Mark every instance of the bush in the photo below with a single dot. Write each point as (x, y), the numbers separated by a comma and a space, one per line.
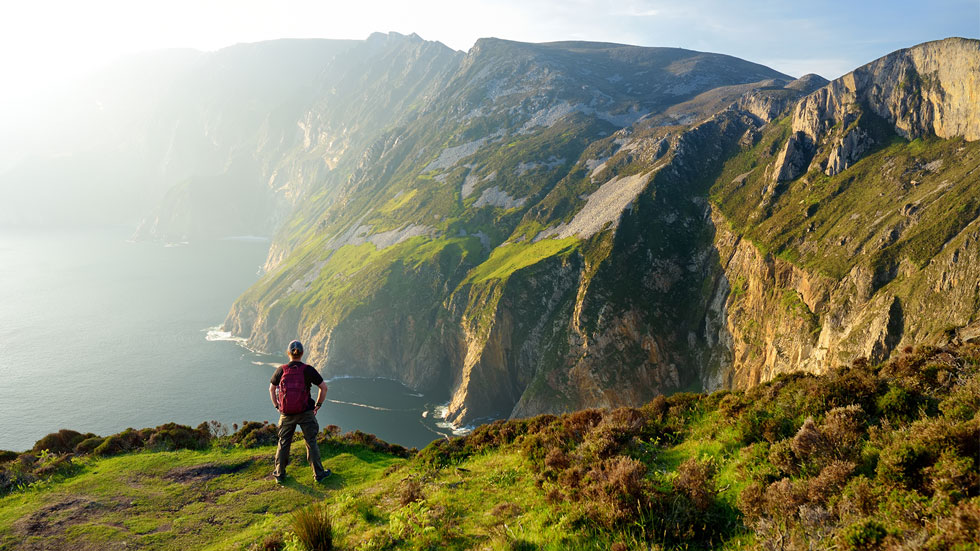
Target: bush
(63, 441)
(172, 436)
(254, 434)
(615, 489)
(898, 404)
(863, 535)
(410, 491)
(125, 441)
(89, 445)
(312, 526)
(7, 456)
(695, 480)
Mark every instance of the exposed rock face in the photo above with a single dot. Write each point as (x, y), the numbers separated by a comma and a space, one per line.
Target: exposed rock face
(931, 89)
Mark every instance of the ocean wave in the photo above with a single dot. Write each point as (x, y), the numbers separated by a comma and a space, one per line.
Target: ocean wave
(216, 334)
(441, 412)
(368, 406)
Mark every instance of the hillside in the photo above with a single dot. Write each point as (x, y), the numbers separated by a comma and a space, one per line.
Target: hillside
(560, 230)
(863, 457)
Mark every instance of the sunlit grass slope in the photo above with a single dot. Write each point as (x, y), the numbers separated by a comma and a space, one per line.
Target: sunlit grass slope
(863, 457)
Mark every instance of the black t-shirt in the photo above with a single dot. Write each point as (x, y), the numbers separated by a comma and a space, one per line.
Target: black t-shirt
(311, 375)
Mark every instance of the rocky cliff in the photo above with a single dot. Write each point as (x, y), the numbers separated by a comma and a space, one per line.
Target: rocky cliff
(843, 238)
(575, 225)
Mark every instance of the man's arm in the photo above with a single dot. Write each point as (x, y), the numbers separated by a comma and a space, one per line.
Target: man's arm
(272, 394)
(321, 396)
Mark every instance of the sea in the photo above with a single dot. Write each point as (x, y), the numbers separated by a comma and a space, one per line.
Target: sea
(99, 333)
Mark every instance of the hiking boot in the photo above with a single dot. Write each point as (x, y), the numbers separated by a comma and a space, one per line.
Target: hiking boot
(326, 475)
(280, 480)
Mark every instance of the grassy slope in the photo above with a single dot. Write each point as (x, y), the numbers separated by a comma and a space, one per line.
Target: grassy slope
(832, 223)
(861, 458)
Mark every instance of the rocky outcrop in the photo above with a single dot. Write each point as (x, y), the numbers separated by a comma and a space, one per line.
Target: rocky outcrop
(929, 89)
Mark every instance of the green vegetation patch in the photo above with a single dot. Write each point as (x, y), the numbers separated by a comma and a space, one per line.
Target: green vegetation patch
(507, 259)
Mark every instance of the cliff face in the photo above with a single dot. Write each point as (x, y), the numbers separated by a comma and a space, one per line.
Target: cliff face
(575, 225)
(844, 240)
(931, 89)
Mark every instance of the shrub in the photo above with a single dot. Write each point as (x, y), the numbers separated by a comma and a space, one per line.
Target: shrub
(410, 491)
(7, 456)
(695, 480)
(842, 429)
(125, 441)
(63, 441)
(898, 403)
(312, 526)
(556, 459)
(253, 434)
(863, 535)
(953, 475)
(783, 498)
(88, 445)
(808, 441)
(751, 501)
(830, 481)
(272, 542)
(615, 487)
(960, 530)
(172, 436)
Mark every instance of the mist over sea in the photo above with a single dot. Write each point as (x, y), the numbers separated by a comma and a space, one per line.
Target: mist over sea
(98, 334)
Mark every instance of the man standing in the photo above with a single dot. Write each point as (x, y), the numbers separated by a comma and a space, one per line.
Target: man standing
(290, 393)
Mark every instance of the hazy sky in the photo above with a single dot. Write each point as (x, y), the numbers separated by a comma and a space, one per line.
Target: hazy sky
(42, 40)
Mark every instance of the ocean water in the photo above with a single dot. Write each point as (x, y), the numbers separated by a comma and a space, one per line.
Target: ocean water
(98, 334)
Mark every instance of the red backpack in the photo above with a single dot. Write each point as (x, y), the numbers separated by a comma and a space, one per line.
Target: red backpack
(294, 393)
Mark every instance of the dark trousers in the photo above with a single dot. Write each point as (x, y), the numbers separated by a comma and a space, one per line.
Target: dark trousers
(287, 426)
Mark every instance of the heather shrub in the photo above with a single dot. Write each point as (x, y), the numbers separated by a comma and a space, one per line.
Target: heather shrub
(783, 498)
(371, 442)
(898, 404)
(695, 480)
(963, 403)
(125, 441)
(953, 475)
(410, 491)
(7, 456)
(63, 441)
(857, 499)
(959, 530)
(614, 489)
(172, 436)
(831, 480)
(842, 430)
(253, 434)
(782, 456)
(88, 445)
(862, 535)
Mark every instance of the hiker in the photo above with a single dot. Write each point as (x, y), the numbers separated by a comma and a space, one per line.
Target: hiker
(290, 393)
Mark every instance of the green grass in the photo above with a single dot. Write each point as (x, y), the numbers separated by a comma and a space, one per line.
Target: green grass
(885, 208)
(152, 500)
(507, 259)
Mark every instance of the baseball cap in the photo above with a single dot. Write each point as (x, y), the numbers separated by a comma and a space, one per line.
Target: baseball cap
(295, 347)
